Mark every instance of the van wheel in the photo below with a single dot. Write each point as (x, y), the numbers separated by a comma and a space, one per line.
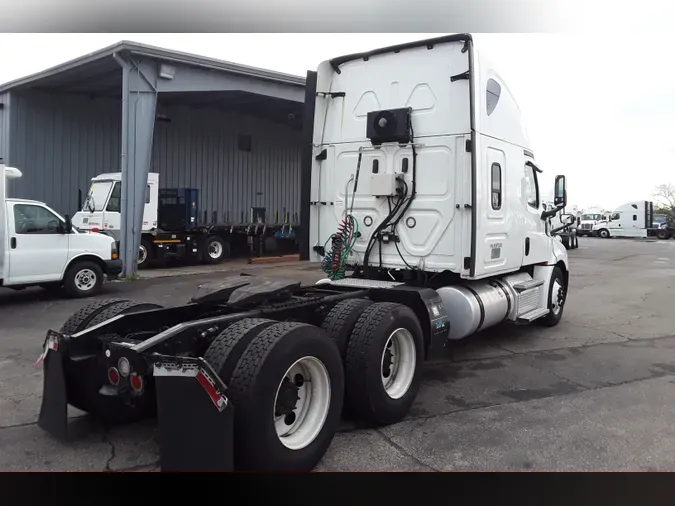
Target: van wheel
(83, 279)
(384, 357)
(604, 233)
(557, 295)
(215, 250)
(144, 254)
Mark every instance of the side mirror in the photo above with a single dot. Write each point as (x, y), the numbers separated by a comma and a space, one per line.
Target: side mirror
(560, 193)
(567, 219)
(69, 224)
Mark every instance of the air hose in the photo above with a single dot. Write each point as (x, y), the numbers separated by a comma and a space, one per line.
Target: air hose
(343, 241)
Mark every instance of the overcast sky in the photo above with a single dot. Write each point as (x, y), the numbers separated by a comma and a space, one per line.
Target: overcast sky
(597, 108)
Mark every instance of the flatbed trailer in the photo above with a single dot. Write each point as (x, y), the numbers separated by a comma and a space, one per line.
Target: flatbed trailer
(213, 243)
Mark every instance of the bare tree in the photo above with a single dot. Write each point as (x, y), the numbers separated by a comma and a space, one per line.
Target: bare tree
(664, 194)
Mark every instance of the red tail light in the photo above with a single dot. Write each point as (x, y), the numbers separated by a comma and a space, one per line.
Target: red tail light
(136, 382)
(114, 376)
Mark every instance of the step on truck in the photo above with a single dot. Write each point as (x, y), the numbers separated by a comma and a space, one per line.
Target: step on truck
(427, 221)
(175, 227)
(39, 247)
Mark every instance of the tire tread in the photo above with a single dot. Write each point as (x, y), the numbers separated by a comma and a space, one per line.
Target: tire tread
(79, 320)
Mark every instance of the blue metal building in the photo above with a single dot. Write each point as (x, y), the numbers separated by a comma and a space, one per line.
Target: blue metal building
(232, 131)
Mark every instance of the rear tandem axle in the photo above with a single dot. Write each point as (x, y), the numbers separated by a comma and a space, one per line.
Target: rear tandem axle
(252, 374)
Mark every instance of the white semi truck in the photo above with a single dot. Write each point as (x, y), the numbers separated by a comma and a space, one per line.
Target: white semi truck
(589, 217)
(427, 217)
(632, 219)
(40, 247)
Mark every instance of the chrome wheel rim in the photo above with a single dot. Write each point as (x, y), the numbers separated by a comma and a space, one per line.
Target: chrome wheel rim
(398, 363)
(215, 249)
(142, 254)
(302, 402)
(85, 280)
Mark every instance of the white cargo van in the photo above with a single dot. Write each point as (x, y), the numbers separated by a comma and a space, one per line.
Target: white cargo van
(40, 247)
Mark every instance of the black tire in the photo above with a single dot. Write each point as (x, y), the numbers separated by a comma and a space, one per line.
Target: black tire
(86, 269)
(224, 352)
(144, 261)
(125, 307)
(79, 320)
(603, 233)
(365, 395)
(552, 319)
(566, 242)
(340, 321)
(253, 389)
(85, 378)
(211, 241)
(662, 234)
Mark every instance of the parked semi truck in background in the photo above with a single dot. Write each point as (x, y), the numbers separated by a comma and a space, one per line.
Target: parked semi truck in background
(40, 247)
(174, 225)
(409, 149)
(589, 217)
(632, 219)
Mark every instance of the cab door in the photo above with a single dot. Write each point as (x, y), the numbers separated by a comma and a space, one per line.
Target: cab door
(38, 244)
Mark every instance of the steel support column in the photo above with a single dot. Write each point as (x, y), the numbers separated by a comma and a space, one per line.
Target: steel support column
(306, 165)
(139, 103)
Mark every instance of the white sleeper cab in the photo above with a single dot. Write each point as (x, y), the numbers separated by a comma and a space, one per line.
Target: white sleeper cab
(423, 167)
(633, 219)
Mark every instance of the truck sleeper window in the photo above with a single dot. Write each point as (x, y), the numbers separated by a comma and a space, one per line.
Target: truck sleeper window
(496, 186)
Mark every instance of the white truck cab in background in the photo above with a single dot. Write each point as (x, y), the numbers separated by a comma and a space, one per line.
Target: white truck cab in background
(40, 247)
(589, 217)
(632, 219)
(101, 210)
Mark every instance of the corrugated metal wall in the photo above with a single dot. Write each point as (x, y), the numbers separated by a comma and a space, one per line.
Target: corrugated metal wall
(61, 142)
(199, 149)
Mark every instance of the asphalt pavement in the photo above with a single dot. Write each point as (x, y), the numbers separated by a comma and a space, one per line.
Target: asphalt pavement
(593, 393)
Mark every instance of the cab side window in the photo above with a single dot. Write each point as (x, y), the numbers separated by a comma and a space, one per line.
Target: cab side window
(615, 216)
(114, 204)
(531, 187)
(31, 219)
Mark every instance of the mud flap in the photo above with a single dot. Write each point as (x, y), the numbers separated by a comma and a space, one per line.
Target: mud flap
(54, 410)
(195, 419)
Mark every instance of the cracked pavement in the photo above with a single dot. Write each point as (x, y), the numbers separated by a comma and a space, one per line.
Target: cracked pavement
(595, 392)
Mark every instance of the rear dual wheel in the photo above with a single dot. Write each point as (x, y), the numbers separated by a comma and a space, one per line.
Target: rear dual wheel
(286, 382)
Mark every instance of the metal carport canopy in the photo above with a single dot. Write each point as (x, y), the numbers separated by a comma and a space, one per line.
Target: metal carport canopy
(139, 74)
